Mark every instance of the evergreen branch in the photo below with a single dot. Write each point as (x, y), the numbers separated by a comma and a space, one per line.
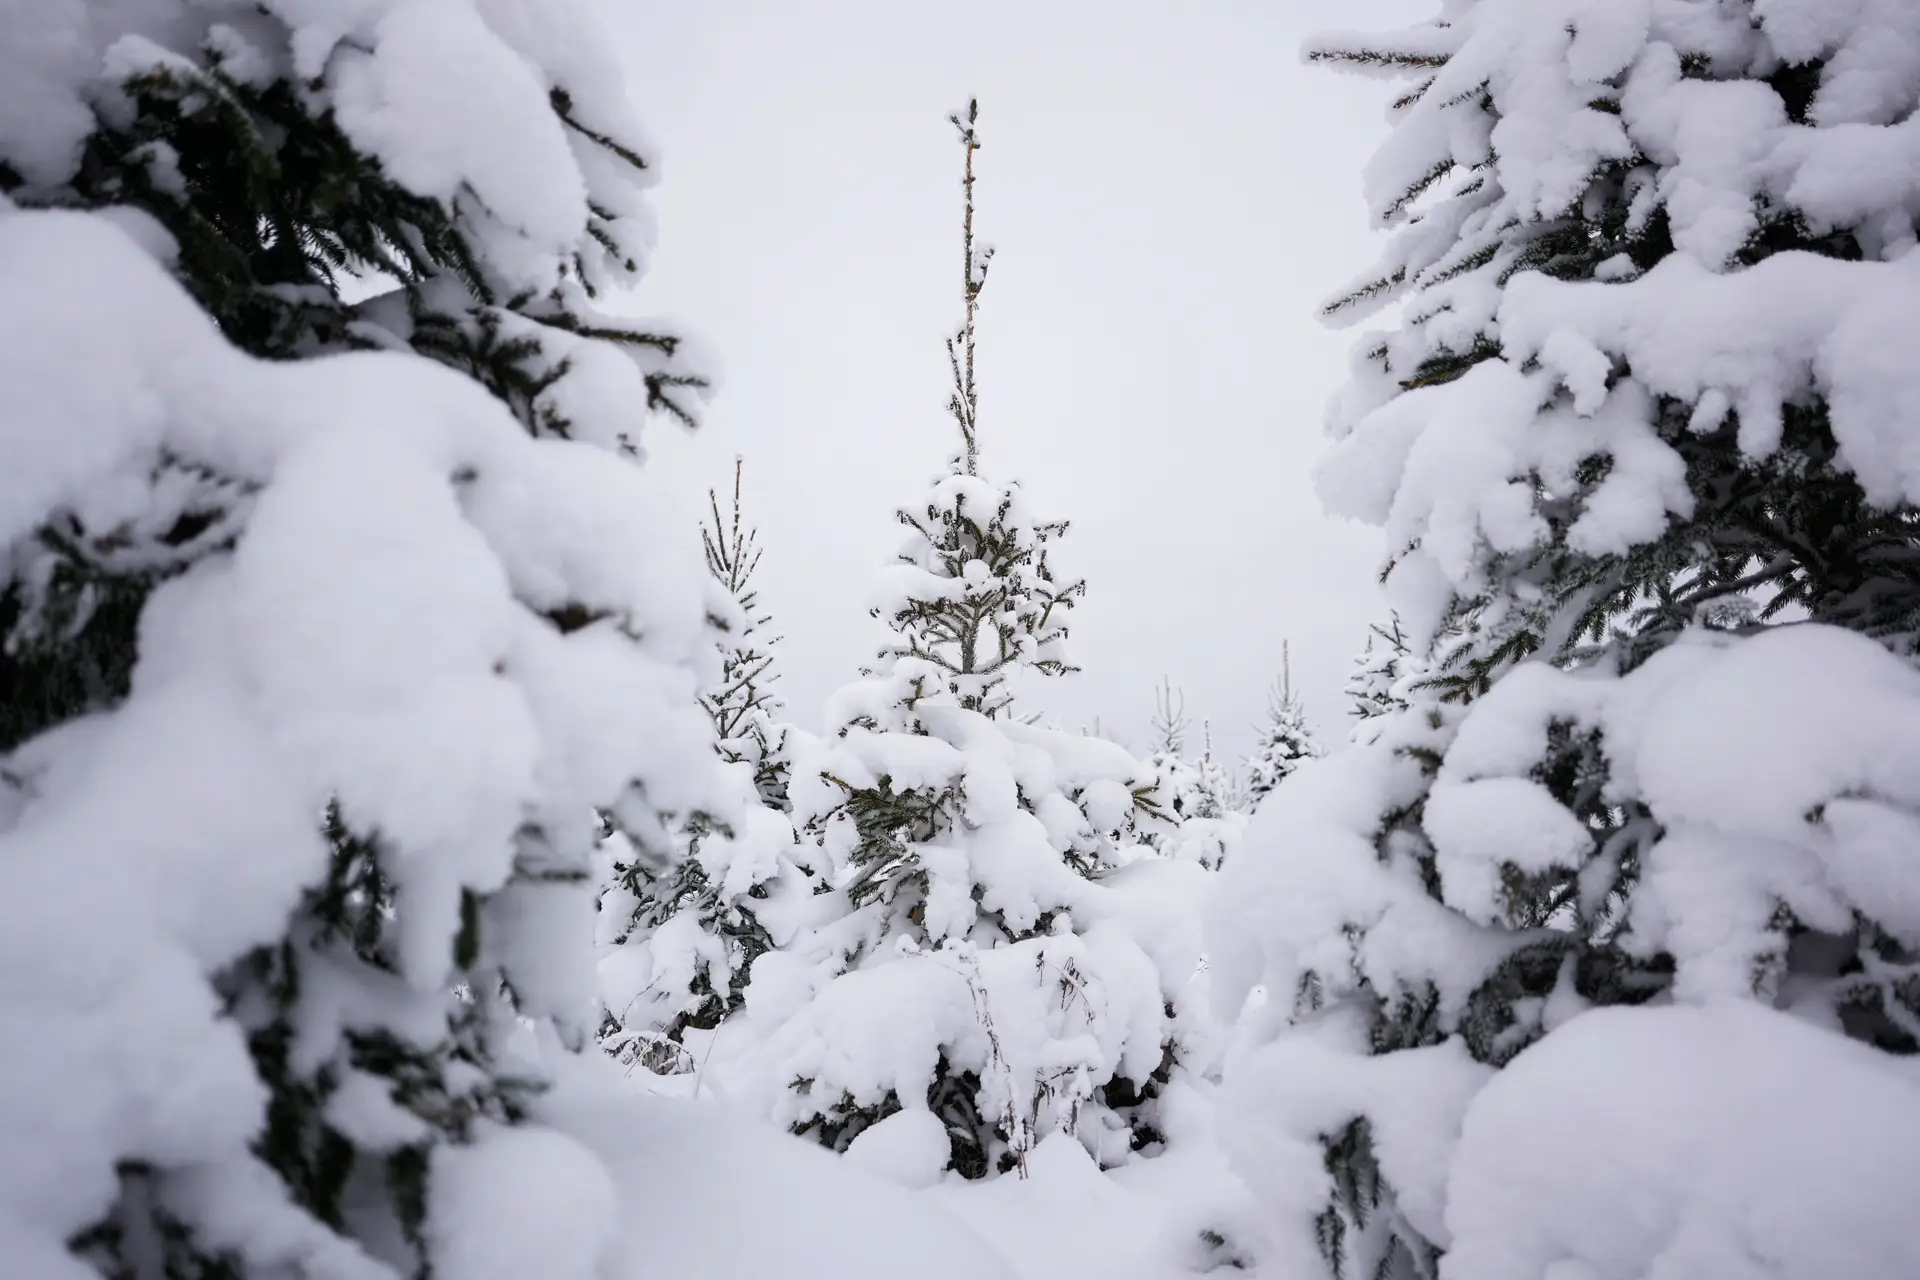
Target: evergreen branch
(562, 103)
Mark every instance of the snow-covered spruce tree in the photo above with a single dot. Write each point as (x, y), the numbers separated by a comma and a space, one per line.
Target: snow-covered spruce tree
(744, 704)
(1219, 790)
(1374, 686)
(976, 989)
(1285, 740)
(308, 659)
(1643, 447)
(1176, 781)
(1198, 814)
(682, 939)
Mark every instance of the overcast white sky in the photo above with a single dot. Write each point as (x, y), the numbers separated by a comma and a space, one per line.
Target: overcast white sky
(1169, 191)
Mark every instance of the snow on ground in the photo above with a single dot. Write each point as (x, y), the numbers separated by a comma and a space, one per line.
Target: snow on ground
(1067, 1220)
(739, 1198)
(1141, 1221)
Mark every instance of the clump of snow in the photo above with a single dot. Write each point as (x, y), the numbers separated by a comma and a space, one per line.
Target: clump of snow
(1794, 324)
(1726, 1140)
(909, 1147)
(1308, 911)
(1291, 1095)
(1801, 812)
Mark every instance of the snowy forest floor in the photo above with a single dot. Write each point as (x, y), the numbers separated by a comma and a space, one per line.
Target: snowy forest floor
(1070, 1221)
(1067, 1219)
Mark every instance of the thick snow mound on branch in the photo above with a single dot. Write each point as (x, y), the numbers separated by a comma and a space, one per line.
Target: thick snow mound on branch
(454, 100)
(1811, 808)
(1727, 1141)
(1063, 1015)
(1307, 909)
(909, 1147)
(1522, 103)
(1795, 324)
(1287, 1097)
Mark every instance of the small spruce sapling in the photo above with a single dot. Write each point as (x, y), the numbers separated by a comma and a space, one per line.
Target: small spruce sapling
(1285, 740)
(1375, 685)
(1197, 818)
(701, 921)
(744, 705)
(1176, 780)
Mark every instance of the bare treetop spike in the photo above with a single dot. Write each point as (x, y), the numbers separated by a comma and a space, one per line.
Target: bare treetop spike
(965, 403)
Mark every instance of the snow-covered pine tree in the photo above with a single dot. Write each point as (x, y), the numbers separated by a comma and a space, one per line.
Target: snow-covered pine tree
(683, 939)
(744, 705)
(1374, 685)
(1643, 448)
(969, 929)
(1198, 812)
(1219, 789)
(1175, 779)
(1169, 724)
(1285, 739)
(307, 657)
